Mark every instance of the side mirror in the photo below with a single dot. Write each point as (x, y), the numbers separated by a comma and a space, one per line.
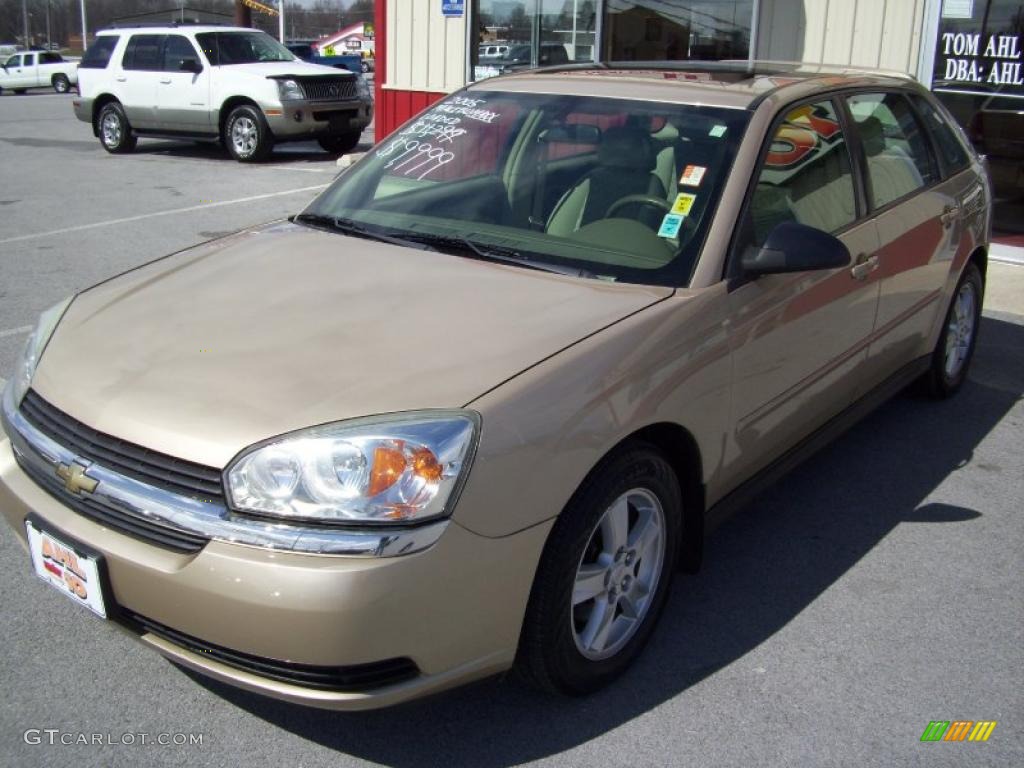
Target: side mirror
(793, 247)
(190, 65)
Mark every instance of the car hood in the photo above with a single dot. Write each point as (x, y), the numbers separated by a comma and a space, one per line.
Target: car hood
(205, 352)
(285, 69)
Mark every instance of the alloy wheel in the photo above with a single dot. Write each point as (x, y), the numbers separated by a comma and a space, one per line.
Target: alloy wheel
(618, 574)
(244, 136)
(960, 332)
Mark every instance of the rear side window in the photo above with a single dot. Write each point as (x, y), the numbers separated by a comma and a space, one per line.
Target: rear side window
(50, 58)
(143, 53)
(99, 53)
(899, 157)
(807, 175)
(951, 149)
(177, 50)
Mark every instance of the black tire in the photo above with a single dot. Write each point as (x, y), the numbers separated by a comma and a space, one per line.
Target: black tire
(20, 90)
(341, 143)
(550, 656)
(943, 380)
(114, 130)
(61, 84)
(247, 135)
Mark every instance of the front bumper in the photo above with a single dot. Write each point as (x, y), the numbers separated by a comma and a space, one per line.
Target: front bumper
(305, 119)
(454, 610)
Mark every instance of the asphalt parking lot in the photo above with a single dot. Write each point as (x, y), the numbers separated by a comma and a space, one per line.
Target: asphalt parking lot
(877, 588)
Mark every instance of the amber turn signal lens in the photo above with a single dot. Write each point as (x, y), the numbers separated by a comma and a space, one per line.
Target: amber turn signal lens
(388, 466)
(426, 465)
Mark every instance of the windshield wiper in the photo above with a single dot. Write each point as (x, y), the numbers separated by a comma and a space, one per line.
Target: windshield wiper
(494, 253)
(350, 227)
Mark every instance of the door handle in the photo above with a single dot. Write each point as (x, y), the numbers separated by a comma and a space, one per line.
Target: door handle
(949, 214)
(863, 266)
(166, 82)
(121, 79)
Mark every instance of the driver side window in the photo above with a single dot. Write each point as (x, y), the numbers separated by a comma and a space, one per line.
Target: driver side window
(806, 177)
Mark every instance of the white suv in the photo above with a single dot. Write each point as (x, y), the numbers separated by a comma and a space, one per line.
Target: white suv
(210, 83)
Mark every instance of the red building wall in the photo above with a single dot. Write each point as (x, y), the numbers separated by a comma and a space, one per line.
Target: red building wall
(392, 107)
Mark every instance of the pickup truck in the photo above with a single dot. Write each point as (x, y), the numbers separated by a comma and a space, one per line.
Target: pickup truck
(353, 62)
(38, 69)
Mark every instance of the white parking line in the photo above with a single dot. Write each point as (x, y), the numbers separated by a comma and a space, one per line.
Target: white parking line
(16, 331)
(141, 217)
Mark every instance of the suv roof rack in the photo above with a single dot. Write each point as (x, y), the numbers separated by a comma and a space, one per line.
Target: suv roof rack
(148, 24)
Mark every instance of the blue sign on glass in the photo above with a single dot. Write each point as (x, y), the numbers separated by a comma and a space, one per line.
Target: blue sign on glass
(453, 7)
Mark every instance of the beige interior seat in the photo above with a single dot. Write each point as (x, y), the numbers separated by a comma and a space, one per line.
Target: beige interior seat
(625, 161)
(892, 170)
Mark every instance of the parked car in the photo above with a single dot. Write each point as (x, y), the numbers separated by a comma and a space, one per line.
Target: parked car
(7, 50)
(476, 405)
(208, 83)
(38, 70)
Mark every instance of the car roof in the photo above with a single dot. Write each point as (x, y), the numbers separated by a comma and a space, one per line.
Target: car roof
(730, 84)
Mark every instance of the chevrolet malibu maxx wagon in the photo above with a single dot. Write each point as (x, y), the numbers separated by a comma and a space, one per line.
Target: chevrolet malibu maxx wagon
(475, 406)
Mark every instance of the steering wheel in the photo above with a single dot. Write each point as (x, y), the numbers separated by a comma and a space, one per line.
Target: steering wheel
(652, 200)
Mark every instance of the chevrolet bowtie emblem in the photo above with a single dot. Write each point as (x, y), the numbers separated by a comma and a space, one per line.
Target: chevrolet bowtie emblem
(75, 479)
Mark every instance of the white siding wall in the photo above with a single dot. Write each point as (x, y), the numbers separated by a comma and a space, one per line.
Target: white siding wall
(864, 33)
(426, 51)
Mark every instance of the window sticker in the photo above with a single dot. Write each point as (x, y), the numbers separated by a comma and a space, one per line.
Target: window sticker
(693, 175)
(718, 131)
(671, 225)
(684, 202)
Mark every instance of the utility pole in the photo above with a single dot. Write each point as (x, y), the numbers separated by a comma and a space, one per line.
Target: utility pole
(48, 42)
(24, 16)
(84, 44)
(280, 21)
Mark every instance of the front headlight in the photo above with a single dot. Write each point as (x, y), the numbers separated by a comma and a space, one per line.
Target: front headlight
(25, 368)
(290, 90)
(397, 469)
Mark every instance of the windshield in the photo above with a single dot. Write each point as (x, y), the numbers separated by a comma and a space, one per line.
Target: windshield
(614, 189)
(242, 48)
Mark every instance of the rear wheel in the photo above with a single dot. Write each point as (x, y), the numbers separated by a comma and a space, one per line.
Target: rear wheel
(955, 348)
(20, 90)
(340, 143)
(61, 84)
(604, 576)
(114, 130)
(247, 135)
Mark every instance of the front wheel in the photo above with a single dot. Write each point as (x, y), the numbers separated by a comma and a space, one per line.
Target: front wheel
(604, 576)
(114, 130)
(61, 84)
(340, 143)
(955, 348)
(247, 135)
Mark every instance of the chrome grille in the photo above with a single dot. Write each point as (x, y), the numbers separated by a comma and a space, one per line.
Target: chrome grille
(184, 478)
(328, 88)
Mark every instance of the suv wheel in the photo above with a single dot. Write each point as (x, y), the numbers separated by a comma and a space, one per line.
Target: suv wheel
(604, 576)
(955, 348)
(247, 135)
(114, 129)
(61, 84)
(340, 143)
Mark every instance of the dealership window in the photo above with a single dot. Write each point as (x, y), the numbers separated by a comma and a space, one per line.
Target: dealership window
(513, 35)
(978, 76)
(655, 30)
(520, 34)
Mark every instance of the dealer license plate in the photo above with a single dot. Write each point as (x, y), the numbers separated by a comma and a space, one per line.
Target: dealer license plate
(66, 568)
